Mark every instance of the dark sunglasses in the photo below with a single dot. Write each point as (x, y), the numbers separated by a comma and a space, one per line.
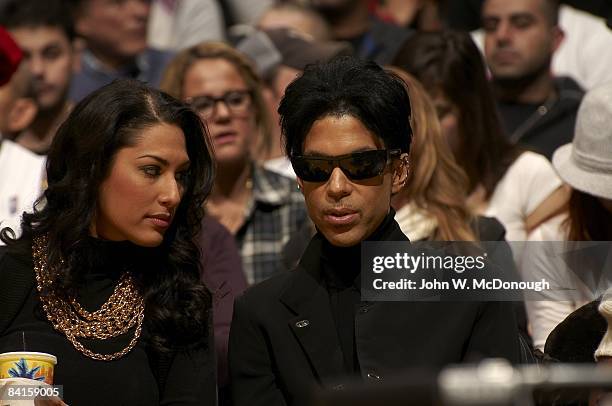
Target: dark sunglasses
(356, 166)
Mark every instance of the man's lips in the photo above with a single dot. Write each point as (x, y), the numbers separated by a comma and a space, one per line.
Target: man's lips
(504, 57)
(43, 88)
(340, 217)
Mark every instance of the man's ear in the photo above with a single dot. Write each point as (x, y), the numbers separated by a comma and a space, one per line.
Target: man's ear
(558, 36)
(78, 45)
(400, 174)
(21, 115)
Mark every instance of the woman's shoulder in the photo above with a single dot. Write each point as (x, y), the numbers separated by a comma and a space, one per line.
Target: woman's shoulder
(16, 281)
(16, 268)
(531, 178)
(15, 257)
(530, 163)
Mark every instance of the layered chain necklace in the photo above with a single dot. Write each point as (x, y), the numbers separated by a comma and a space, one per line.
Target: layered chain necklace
(123, 310)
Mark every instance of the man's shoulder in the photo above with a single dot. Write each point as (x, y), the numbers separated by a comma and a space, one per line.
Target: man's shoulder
(569, 90)
(20, 168)
(270, 290)
(20, 155)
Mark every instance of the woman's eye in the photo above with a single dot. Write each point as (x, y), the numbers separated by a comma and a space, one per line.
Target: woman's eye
(151, 170)
(235, 99)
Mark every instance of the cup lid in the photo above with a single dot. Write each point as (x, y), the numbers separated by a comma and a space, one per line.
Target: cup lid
(29, 354)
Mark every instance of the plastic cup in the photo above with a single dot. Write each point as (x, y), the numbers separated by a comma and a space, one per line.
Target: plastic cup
(31, 365)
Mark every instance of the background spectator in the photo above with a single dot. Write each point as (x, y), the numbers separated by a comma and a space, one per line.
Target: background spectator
(262, 209)
(350, 20)
(585, 165)
(504, 182)
(115, 34)
(45, 33)
(21, 171)
(537, 109)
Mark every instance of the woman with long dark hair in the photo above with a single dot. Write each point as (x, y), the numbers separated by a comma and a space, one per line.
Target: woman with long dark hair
(503, 181)
(106, 273)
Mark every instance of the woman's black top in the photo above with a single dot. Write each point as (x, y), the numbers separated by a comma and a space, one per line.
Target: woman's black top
(130, 380)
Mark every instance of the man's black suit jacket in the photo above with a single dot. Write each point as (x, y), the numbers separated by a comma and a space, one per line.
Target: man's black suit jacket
(283, 339)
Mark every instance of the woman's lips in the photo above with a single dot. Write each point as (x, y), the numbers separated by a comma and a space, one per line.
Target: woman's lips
(225, 138)
(159, 222)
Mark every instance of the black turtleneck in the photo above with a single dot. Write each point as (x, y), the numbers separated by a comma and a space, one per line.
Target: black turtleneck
(341, 270)
(128, 380)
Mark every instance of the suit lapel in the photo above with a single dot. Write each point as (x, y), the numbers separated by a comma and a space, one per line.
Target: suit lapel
(313, 325)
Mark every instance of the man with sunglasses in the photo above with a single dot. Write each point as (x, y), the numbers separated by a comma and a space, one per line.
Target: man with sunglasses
(347, 133)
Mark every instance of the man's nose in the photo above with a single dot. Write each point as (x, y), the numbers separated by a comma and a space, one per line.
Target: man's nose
(338, 185)
(37, 66)
(503, 33)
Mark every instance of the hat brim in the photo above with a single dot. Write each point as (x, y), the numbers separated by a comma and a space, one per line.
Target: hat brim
(594, 183)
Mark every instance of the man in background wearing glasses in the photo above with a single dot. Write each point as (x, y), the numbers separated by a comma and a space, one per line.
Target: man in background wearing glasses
(347, 133)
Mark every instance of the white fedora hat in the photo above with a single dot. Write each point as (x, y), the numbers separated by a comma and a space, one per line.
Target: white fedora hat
(586, 163)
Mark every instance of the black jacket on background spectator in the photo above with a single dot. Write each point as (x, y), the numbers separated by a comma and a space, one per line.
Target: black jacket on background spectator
(544, 127)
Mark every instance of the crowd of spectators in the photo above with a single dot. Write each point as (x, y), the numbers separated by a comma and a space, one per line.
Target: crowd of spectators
(501, 102)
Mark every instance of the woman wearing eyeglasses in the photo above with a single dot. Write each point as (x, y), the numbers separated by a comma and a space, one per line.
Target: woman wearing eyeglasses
(261, 208)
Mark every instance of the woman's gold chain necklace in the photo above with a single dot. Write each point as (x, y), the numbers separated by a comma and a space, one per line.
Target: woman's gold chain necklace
(123, 310)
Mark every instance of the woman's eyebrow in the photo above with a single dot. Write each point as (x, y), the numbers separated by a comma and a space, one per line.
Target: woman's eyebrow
(155, 157)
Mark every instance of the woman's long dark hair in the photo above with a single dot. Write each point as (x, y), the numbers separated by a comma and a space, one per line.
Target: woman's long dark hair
(451, 63)
(81, 156)
(588, 219)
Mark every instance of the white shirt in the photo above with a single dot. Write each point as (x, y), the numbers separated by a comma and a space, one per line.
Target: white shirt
(179, 24)
(546, 261)
(21, 182)
(525, 185)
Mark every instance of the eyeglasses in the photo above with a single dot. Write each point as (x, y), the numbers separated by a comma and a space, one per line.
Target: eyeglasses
(238, 102)
(356, 166)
